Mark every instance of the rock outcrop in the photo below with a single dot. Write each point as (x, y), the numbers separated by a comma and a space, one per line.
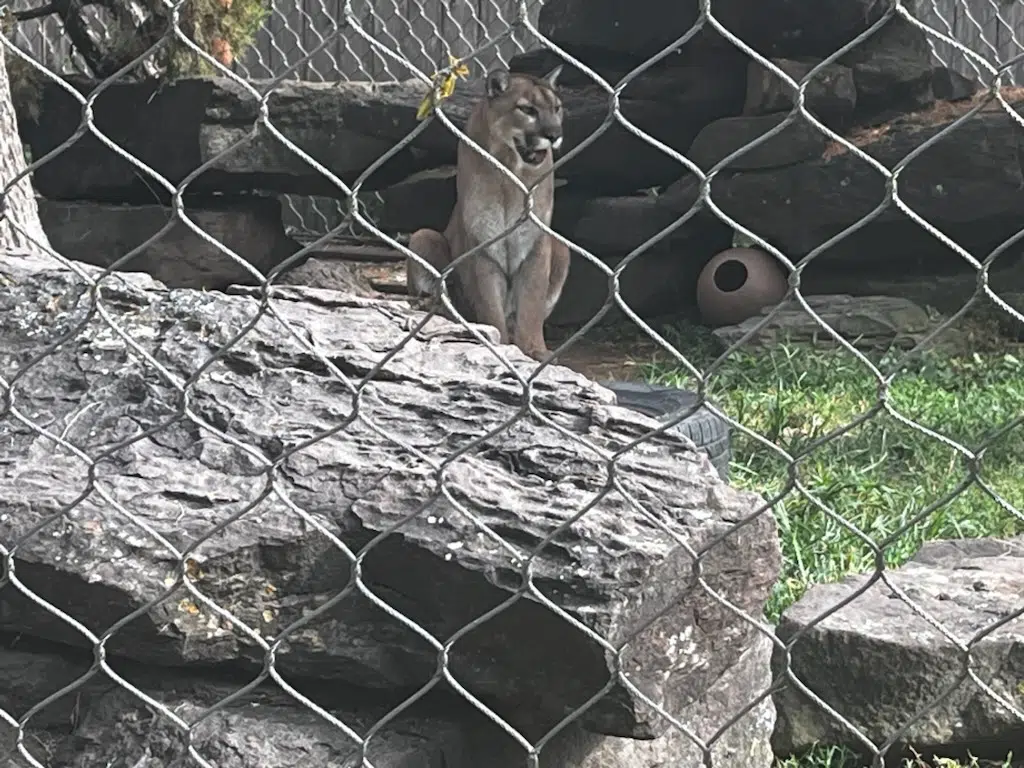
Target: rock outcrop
(223, 447)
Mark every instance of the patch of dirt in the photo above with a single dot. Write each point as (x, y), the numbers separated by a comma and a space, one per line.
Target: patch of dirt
(617, 351)
(603, 360)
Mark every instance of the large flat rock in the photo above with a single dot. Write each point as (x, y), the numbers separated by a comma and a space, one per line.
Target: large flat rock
(723, 718)
(881, 665)
(112, 727)
(106, 540)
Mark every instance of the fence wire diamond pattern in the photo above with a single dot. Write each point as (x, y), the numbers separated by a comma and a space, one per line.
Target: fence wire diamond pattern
(395, 52)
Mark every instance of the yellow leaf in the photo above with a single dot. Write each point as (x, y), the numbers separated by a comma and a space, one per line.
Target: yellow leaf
(426, 106)
(188, 606)
(442, 87)
(448, 85)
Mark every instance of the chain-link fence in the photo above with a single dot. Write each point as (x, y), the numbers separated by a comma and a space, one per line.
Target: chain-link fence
(292, 41)
(290, 526)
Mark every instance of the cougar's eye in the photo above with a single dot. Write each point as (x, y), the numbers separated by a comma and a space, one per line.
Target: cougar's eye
(527, 109)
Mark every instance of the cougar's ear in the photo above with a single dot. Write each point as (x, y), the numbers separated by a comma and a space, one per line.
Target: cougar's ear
(551, 78)
(497, 82)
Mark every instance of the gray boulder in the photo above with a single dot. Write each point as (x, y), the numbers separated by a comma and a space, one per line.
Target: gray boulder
(798, 142)
(880, 665)
(271, 731)
(726, 705)
(270, 429)
(831, 95)
(892, 71)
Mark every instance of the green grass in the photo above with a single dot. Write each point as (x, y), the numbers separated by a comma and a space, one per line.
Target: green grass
(837, 757)
(880, 476)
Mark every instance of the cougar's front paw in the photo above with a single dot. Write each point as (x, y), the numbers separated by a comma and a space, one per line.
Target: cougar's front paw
(540, 354)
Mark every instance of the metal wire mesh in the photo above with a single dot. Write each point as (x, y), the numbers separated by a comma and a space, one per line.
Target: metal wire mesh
(392, 54)
(293, 38)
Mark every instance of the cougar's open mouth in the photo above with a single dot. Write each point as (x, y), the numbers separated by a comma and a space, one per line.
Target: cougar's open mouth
(531, 156)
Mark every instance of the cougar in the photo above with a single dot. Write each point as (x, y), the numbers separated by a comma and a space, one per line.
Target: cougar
(514, 283)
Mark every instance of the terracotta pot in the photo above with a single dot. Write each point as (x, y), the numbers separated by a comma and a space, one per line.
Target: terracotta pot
(737, 284)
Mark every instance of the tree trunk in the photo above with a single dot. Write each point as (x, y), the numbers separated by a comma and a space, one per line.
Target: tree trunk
(20, 229)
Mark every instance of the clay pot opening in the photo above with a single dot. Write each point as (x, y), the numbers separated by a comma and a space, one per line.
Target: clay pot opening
(731, 275)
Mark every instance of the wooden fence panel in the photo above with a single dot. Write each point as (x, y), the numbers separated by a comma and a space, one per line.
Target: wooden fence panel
(1011, 37)
(992, 29)
(321, 27)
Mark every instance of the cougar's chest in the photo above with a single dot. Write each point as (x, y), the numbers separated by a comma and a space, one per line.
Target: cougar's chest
(489, 216)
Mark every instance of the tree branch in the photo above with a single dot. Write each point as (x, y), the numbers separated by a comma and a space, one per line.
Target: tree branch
(35, 13)
(81, 36)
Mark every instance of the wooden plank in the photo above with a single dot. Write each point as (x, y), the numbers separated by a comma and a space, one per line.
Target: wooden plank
(1011, 37)
(941, 18)
(524, 39)
(281, 39)
(322, 24)
(406, 31)
(978, 25)
(306, 30)
(350, 50)
(45, 40)
(976, 28)
(375, 65)
(392, 30)
(461, 26)
(497, 17)
(255, 60)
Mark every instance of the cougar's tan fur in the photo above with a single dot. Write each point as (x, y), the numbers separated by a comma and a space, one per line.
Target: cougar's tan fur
(514, 283)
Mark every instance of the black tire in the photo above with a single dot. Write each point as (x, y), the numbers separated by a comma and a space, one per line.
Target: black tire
(706, 429)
